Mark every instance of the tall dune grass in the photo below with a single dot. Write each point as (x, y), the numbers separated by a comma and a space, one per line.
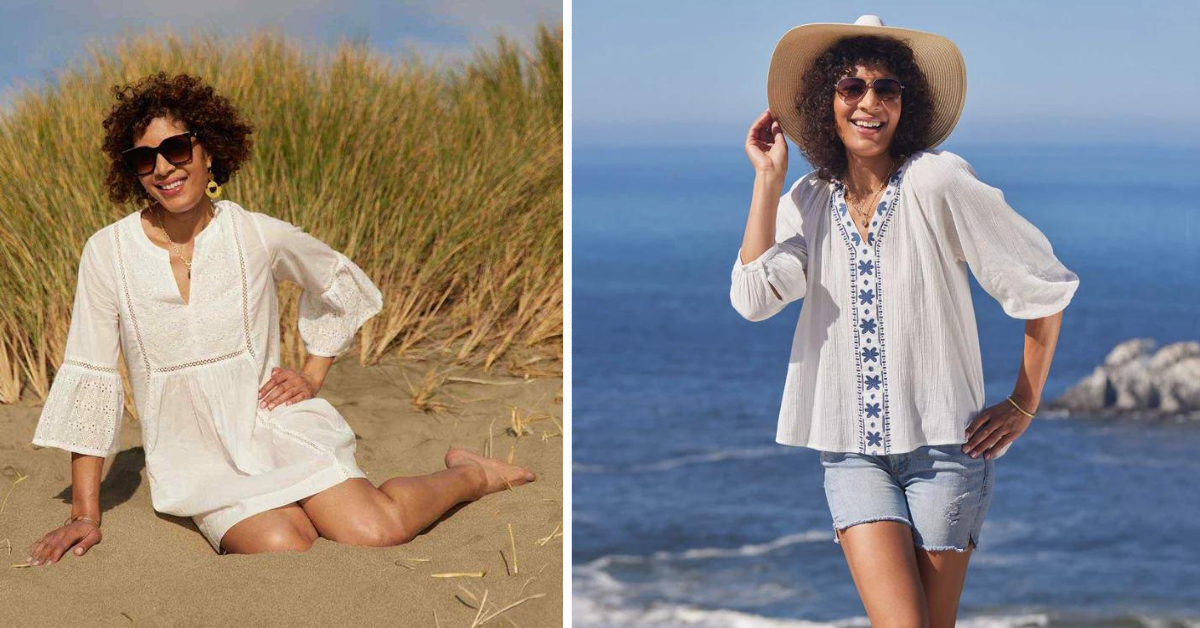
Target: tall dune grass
(442, 181)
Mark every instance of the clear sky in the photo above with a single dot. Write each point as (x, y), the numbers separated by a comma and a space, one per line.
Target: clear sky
(663, 72)
(40, 36)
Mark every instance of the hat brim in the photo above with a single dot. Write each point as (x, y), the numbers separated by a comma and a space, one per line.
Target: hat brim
(939, 59)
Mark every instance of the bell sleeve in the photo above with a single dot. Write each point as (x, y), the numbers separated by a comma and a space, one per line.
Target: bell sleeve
(1010, 258)
(86, 403)
(338, 297)
(783, 265)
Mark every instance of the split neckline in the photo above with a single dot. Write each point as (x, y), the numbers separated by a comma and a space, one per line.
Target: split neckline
(218, 212)
(883, 210)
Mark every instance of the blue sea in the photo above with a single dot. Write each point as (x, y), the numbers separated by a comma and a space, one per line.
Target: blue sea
(686, 511)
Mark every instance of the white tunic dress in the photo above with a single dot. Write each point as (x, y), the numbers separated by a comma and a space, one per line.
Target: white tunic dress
(885, 357)
(195, 368)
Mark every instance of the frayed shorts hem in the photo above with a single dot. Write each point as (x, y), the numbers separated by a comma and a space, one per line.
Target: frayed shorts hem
(870, 520)
(928, 548)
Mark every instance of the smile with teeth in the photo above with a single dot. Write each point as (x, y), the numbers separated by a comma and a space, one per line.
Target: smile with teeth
(866, 124)
(171, 186)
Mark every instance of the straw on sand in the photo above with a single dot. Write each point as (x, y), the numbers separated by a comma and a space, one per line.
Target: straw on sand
(513, 542)
(552, 535)
(459, 574)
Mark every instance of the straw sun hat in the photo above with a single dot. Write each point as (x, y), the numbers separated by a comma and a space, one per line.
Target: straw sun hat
(937, 57)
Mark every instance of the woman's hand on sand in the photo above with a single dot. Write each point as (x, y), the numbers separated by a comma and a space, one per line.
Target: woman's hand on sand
(77, 537)
(994, 428)
(766, 147)
(286, 387)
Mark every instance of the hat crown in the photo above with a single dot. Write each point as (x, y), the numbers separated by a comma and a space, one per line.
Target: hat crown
(869, 20)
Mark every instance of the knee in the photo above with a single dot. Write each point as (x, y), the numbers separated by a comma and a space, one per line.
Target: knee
(286, 541)
(283, 540)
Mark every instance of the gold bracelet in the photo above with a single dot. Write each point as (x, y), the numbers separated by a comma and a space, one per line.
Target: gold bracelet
(1010, 400)
(81, 518)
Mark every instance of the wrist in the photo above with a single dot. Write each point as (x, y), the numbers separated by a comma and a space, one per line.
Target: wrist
(89, 510)
(316, 380)
(769, 181)
(1027, 404)
(89, 519)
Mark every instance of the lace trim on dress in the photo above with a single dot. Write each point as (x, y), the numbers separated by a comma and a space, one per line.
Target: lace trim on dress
(137, 331)
(328, 321)
(237, 235)
(83, 411)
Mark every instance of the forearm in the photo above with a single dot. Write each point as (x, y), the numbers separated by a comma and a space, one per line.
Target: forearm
(85, 485)
(316, 367)
(1041, 336)
(760, 225)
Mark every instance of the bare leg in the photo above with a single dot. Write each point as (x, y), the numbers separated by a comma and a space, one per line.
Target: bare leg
(468, 476)
(355, 512)
(943, 575)
(883, 564)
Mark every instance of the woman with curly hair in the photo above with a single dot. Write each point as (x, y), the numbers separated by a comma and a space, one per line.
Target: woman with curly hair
(885, 377)
(186, 288)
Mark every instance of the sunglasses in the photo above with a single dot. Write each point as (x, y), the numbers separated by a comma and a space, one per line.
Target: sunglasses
(176, 149)
(852, 88)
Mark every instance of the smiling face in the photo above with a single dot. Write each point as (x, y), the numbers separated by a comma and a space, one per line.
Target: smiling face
(865, 142)
(194, 175)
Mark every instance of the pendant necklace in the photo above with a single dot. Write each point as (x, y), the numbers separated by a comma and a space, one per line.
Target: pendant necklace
(865, 216)
(178, 247)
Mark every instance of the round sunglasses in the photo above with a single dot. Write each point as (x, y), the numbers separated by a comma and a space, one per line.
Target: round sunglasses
(176, 149)
(852, 88)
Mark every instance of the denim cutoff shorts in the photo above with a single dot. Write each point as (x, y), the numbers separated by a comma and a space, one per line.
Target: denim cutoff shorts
(939, 491)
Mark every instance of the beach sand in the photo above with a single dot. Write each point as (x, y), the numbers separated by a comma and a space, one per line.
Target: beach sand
(154, 569)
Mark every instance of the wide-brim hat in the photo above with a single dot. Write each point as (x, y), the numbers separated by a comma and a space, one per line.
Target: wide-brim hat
(938, 57)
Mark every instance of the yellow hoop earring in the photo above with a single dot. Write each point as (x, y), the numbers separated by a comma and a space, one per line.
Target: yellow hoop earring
(213, 190)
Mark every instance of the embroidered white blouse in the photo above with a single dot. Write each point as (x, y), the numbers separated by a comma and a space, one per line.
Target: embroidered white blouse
(195, 368)
(885, 357)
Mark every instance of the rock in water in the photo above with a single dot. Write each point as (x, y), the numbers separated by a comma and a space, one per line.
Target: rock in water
(1136, 380)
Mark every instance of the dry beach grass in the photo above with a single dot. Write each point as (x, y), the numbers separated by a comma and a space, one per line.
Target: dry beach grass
(443, 182)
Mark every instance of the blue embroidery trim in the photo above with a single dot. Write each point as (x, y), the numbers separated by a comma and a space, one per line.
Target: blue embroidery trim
(866, 290)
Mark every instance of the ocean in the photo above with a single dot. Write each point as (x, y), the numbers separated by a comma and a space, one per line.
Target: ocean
(686, 511)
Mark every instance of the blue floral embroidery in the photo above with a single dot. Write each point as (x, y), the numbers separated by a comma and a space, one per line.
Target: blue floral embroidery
(867, 312)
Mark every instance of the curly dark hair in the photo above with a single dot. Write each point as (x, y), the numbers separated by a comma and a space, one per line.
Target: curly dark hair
(218, 125)
(821, 145)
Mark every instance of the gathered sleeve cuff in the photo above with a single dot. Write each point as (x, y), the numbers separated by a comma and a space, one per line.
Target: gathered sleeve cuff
(1011, 259)
(86, 403)
(783, 265)
(338, 297)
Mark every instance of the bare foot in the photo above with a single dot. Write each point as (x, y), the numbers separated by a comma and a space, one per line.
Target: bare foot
(500, 475)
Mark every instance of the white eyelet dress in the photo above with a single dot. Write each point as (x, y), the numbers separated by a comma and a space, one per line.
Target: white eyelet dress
(885, 356)
(195, 368)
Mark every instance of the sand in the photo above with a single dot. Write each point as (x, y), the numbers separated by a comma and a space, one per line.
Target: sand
(155, 569)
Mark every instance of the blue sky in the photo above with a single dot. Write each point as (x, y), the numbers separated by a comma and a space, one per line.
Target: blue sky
(40, 36)
(1081, 72)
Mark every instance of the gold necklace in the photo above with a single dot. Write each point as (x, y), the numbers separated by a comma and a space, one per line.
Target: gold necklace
(866, 217)
(178, 247)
